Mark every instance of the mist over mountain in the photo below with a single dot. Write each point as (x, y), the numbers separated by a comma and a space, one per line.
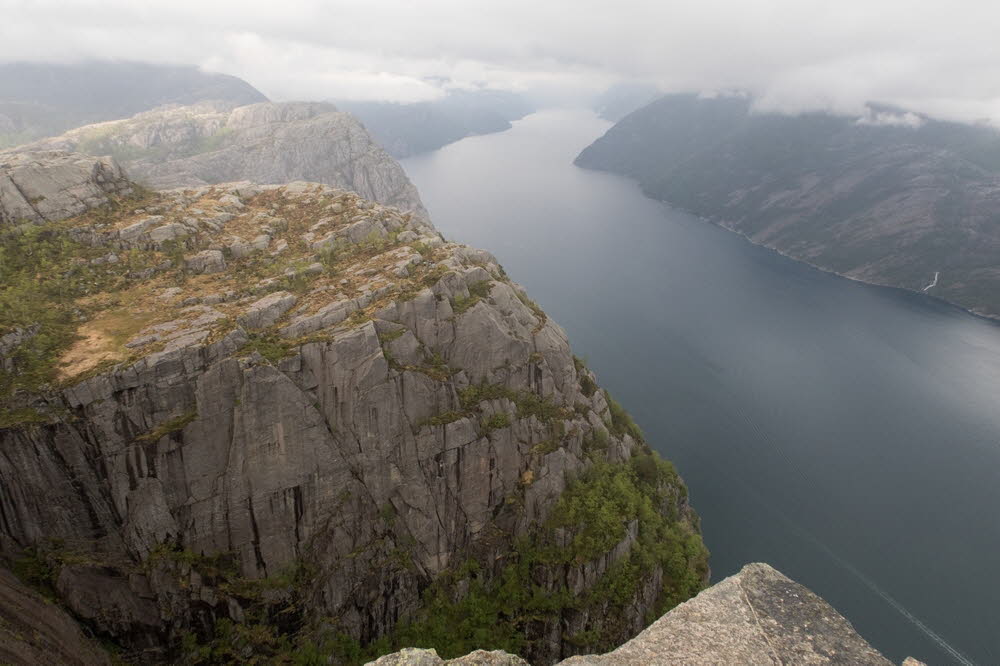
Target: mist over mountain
(622, 99)
(408, 129)
(890, 197)
(44, 99)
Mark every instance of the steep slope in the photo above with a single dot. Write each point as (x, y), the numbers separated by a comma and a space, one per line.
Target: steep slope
(409, 129)
(262, 143)
(622, 99)
(271, 420)
(35, 631)
(45, 99)
(891, 198)
(757, 616)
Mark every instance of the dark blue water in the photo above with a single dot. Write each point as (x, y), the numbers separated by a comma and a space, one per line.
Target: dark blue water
(849, 435)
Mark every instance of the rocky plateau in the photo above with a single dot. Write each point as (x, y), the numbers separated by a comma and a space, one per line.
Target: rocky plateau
(269, 423)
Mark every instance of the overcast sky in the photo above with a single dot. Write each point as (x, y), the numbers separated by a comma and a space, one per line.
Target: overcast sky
(941, 58)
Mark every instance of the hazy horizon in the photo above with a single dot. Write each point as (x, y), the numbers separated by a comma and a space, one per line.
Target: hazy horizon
(935, 58)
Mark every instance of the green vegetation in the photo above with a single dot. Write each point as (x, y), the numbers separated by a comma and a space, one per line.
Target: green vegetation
(534, 307)
(443, 419)
(43, 271)
(39, 567)
(425, 250)
(173, 425)
(13, 418)
(595, 511)
(587, 385)
(527, 403)
(621, 421)
(477, 292)
(269, 345)
(270, 632)
(494, 422)
(471, 605)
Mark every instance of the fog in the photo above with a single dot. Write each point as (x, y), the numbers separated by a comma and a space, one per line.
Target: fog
(938, 58)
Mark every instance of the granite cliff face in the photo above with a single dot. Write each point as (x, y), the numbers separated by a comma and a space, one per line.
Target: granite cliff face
(256, 421)
(262, 143)
(889, 198)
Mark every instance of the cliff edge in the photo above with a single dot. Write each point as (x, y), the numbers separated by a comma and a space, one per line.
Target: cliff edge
(757, 616)
(267, 142)
(276, 421)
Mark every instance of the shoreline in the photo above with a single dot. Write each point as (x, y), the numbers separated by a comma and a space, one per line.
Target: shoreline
(991, 318)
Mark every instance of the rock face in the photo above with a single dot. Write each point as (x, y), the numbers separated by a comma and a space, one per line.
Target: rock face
(757, 616)
(46, 186)
(349, 428)
(889, 198)
(35, 631)
(262, 143)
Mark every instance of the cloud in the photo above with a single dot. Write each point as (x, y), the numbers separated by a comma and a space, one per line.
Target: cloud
(890, 119)
(934, 57)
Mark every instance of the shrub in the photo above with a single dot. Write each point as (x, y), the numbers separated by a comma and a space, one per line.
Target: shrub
(621, 421)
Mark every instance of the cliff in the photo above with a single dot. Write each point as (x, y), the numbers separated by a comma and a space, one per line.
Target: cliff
(45, 99)
(757, 616)
(889, 198)
(281, 421)
(263, 143)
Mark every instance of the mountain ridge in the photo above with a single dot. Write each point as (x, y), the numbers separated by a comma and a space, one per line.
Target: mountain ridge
(45, 99)
(265, 142)
(889, 198)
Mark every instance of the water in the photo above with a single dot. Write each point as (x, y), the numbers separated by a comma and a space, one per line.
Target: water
(848, 435)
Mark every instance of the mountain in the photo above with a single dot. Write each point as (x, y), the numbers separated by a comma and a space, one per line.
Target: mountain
(622, 99)
(283, 422)
(409, 129)
(38, 100)
(264, 143)
(889, 198)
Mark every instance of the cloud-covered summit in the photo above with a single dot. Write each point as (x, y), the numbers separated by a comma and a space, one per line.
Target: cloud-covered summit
(934, 57)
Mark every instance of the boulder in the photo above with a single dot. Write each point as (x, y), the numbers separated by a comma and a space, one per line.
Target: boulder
(207, 261)
(52, 185)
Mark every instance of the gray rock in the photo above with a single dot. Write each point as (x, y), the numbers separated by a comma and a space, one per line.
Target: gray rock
(757, 616)
(53, 185)
(134, 232)
(264, 143)
(36, 631)
(207, 261)
(267, 311)
(168, 232)
(421, 657)
(293, 453)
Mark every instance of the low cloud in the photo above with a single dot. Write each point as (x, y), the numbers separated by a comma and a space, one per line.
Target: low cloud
(932, 57)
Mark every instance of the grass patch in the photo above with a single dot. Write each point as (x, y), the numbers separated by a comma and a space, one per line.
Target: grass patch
(21, 417)
(175, 424)
(527, 403)
(272, 347)
(477, 292)
(496, 421)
